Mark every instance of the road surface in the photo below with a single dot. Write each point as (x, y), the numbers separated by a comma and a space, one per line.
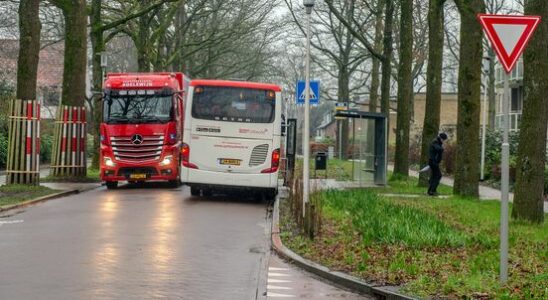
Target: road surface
(143, 242)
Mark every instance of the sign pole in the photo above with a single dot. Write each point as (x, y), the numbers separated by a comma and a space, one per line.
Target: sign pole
(505, 165)
(483, 133)
(306, 133)
(508, 35)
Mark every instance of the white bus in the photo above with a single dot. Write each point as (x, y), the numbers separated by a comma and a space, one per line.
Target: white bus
(231, 139)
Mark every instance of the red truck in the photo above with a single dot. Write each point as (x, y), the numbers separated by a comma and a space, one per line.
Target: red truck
(142, 127)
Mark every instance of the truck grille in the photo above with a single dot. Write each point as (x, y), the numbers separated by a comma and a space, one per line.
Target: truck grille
(258, 155)
(150, 149)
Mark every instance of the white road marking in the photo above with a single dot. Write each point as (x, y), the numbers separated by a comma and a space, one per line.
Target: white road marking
(278, 274)
(278, 281)
(277, 269)
(11, 222)
(275, 287)
(276, 295)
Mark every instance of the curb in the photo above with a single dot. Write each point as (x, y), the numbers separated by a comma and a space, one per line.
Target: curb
(339, 278)
(45, 198)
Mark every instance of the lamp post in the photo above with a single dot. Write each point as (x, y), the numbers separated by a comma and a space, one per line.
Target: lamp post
(309, 5)
(486, 63)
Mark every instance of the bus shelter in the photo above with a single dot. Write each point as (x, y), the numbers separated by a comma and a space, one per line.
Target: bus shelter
(367, 146)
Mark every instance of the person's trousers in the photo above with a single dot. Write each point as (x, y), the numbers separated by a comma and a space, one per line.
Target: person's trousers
(435, 177)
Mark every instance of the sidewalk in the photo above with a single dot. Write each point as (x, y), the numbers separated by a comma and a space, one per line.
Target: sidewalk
(486, 193)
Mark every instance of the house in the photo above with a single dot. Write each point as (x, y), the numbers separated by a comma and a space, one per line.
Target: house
(516, 97)
(50, 72)
(327, 129)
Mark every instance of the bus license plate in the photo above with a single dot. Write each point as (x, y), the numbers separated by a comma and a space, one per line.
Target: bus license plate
(232, 162)
(138, 176)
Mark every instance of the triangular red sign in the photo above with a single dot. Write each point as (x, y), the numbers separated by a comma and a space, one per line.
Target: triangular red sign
(508, 35)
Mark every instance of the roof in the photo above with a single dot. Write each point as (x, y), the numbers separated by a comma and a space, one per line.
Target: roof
(236, 84)
(50, 66)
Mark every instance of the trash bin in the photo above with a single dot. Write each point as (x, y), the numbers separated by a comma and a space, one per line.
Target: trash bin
(321, 161)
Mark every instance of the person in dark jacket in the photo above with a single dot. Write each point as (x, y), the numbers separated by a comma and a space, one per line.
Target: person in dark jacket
(434, 159)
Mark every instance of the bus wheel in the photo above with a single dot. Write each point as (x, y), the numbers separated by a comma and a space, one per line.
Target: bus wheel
(270, 195)
(194, 191)
(111, 185)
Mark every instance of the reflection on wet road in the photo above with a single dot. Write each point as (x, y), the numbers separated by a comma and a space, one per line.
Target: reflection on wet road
(135, 243)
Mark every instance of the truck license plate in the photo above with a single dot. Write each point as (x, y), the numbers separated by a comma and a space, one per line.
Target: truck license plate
(138, 176)
(232, 162)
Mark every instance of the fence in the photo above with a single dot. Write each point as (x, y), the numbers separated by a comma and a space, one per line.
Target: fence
(69, 146)
(23, 163)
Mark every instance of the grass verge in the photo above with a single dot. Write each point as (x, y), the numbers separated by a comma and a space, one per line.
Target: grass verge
(91, 176)
(336, 169)
(431, 247)
(14, 194)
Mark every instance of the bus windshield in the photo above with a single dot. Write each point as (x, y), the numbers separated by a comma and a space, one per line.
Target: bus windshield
(232, 104)
(138, 109)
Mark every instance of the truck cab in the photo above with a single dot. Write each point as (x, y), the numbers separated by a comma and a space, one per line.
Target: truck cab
(142, 127)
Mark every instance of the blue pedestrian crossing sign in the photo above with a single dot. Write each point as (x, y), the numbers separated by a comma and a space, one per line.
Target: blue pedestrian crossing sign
(314, 92)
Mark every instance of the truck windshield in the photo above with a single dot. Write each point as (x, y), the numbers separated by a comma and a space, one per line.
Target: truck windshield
(233, 104)
(138, 109)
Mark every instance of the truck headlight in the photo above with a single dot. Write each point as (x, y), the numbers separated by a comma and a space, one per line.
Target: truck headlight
(166, 161)
(108, 162)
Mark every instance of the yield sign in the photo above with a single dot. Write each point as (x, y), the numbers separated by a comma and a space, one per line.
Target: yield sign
(508, 35)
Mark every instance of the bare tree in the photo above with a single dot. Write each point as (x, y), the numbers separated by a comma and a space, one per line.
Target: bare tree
(405, 89)
(529, 200)
(470, 62)
(434, 81)
(29, 49)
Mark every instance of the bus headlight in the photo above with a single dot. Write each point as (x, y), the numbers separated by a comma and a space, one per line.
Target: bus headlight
(166, 161)
(108, 162)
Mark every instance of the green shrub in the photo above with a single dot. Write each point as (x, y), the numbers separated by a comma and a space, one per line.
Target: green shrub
(3, 150)
(46, 142)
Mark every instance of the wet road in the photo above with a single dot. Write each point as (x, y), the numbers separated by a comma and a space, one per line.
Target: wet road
(135, 243)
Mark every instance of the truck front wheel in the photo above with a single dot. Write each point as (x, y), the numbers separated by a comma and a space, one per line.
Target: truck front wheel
(111, 185)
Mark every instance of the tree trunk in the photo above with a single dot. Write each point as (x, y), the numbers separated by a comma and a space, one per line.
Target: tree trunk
(98, 46)
(387, 62)
(75, 61)
(344, 95)
(29, 49)
(469, 94)
(433, 82)
(143, 55)
(405, 89)
(491, 93)
(374, 92)
(528, 197)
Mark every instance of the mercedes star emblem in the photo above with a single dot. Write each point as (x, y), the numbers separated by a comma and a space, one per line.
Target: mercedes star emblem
(137, 139)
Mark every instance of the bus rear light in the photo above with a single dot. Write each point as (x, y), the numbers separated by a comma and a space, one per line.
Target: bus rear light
(185, 155)
(275, 162)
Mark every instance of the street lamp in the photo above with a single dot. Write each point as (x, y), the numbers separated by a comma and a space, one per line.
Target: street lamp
(309, 5)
